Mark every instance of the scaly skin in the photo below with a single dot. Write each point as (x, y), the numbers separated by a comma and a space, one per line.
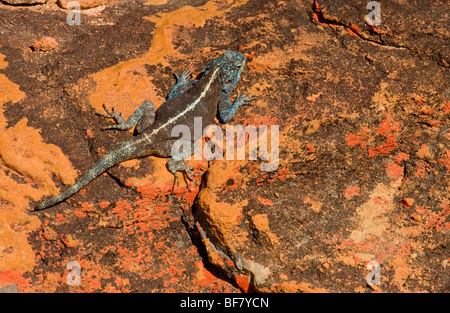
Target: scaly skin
(205, 97)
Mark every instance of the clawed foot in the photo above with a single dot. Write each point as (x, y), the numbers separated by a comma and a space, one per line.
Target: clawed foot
(118, 118)
(184, 76)
(186, 170)
(245, 99)
(189, 173)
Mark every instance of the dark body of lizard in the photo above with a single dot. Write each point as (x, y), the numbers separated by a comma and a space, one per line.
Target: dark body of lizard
(205, 97)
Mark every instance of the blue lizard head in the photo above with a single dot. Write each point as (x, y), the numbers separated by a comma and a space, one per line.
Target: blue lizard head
(231, 64)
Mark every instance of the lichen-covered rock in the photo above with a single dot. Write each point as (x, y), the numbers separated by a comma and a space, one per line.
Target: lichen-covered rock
(44, 44)
(351, 187)
(84, 4)
(23, 2)
(362, 178)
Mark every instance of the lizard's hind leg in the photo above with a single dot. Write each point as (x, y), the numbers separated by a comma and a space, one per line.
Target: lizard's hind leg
(175, 166)
(177, 160)
(142, 117)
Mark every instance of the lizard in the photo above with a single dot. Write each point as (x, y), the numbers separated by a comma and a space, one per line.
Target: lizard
(206, 96)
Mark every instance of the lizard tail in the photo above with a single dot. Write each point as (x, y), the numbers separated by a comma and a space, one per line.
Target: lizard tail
(117, 155)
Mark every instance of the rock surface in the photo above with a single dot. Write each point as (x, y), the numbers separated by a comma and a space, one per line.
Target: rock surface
(44, 44)
(84, 4)
(363, 161)
(23, 2)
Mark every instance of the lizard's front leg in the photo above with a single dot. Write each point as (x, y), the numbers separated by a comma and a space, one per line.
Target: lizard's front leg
(142, 117)
(226, 110)
(182, 84)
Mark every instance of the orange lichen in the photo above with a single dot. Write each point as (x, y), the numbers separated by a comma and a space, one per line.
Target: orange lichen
(424, 151)
(206, 280)
(265, 201)
(439, 220)
(243, 281)
(389, 129)
(351, 192)
(401, 157)
(394, 170)
(389, 146)
(352, 140)
(15, 253)
(387, 126)
(23, 151)
(11, 276)
(311, 148)
(23, 154)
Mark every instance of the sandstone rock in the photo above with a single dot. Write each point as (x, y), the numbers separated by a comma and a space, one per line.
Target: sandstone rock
(363, 116)
(23, 2)
(44, 44)
(84, 4)
(408, 202)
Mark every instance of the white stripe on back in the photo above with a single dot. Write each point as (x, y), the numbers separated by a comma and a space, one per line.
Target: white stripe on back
(190, 107)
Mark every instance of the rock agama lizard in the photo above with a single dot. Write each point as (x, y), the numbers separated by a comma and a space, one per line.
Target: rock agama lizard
(207, 97)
